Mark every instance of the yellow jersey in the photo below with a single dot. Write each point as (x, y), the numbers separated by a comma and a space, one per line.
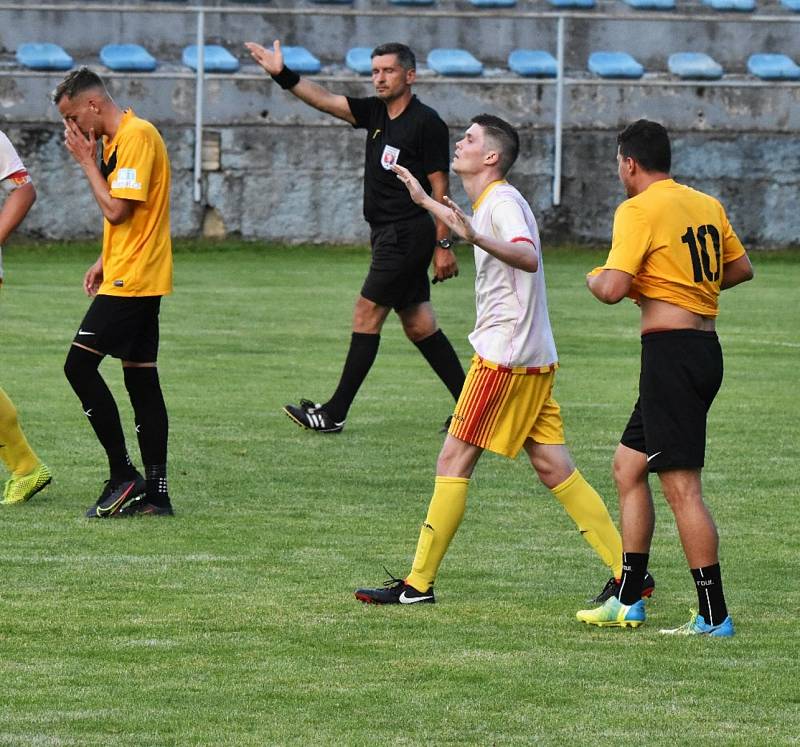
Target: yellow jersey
(137, 253)
(675, 241)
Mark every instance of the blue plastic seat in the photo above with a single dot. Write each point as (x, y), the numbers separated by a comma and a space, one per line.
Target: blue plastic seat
(773, 67)
(216, 59)
(793, 5)
(127, 57)
(533, 63)
(43, 56)
(359, 59)
(572, 3)
(301, 60)
(694, 65)
(615, 65)
(493, 3)
(454, 62)
(651, 4)
(743, 6)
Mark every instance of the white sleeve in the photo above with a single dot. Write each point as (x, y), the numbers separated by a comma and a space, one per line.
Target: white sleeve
(509, 224)
(10, 162)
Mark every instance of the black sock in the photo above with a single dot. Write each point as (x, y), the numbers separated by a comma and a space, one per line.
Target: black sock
(443, 360)
(99, 407)
(157, 492)
(711, 600)
(152, 424)
(634, 566)
(360, 357)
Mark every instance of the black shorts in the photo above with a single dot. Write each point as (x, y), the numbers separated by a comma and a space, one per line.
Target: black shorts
(124, 327)
(401, 255)
(680, 376)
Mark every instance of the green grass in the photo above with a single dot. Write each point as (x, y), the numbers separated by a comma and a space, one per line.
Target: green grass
(234, 623)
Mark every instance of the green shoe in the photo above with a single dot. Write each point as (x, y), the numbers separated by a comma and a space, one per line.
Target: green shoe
(21, 489)
(614, 614)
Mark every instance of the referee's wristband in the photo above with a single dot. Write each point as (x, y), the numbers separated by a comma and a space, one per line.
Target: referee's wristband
(286, 78)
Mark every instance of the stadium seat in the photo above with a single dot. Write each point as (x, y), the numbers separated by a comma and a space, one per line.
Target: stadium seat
(216, 59)
(793, 5)
(359, 59)
(333, 2)
(301, 60)
(615, 65)
(454, 62)
(412, 2)
(773, 67)
(533, 63)
(572, 3)
(493, 3)
(743, 6)
(127, 57)
(694, 65)
(43, 56)
(651, 4)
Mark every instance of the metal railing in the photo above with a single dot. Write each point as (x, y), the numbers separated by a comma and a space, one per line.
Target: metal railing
(560, 17)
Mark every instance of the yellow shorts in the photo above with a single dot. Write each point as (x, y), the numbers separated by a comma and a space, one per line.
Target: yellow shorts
(499, 408)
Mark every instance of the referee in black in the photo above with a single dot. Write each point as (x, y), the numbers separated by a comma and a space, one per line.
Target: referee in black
(403, 130)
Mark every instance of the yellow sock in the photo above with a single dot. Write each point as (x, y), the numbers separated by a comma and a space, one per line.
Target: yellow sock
(586, 507)
(444, 516)
(14, 448)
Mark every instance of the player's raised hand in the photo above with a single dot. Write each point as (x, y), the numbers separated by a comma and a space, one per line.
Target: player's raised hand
(82, 147)
(460, 223)
(270, 59)
(414, 188)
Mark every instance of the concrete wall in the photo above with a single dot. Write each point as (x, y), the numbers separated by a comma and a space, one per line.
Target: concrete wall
(288, 173)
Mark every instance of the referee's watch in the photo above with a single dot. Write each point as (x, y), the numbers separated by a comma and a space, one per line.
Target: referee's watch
(444, 243)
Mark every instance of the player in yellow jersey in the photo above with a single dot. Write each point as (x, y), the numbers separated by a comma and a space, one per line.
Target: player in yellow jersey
(672, 251)
(506, 404)
(28, 474)
(131, 187)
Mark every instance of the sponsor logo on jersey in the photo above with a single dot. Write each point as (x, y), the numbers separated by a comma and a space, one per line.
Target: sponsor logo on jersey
(126, 179)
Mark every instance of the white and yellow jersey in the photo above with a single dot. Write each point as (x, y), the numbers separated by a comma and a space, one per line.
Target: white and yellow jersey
(512, 328)
(13, 175)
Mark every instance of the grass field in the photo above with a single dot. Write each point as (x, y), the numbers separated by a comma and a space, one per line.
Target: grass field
(234, 623)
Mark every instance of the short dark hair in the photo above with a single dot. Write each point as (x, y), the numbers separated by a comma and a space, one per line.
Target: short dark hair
(77, 82)
(505, 137)
(647, 143)
(404, 54)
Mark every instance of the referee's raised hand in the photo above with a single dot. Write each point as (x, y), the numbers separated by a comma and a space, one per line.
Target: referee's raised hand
(270, 59)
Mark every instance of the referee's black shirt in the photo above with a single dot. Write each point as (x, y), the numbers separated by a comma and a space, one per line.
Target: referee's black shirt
(423, 142)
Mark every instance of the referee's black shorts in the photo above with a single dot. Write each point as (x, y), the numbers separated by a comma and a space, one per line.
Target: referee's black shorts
(401, 255)
(124, 327)
(681, 374)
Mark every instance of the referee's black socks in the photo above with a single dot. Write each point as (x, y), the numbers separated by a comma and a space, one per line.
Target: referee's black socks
(360, 357)
(441, 356)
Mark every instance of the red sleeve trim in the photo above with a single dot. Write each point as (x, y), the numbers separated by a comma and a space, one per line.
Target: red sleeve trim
(522, 238)
(21, 174)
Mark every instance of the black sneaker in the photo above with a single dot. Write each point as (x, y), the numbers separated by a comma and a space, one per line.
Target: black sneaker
(612, 587)
(115, 495)
(395, 591)
(313, 417)
(141, 506)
